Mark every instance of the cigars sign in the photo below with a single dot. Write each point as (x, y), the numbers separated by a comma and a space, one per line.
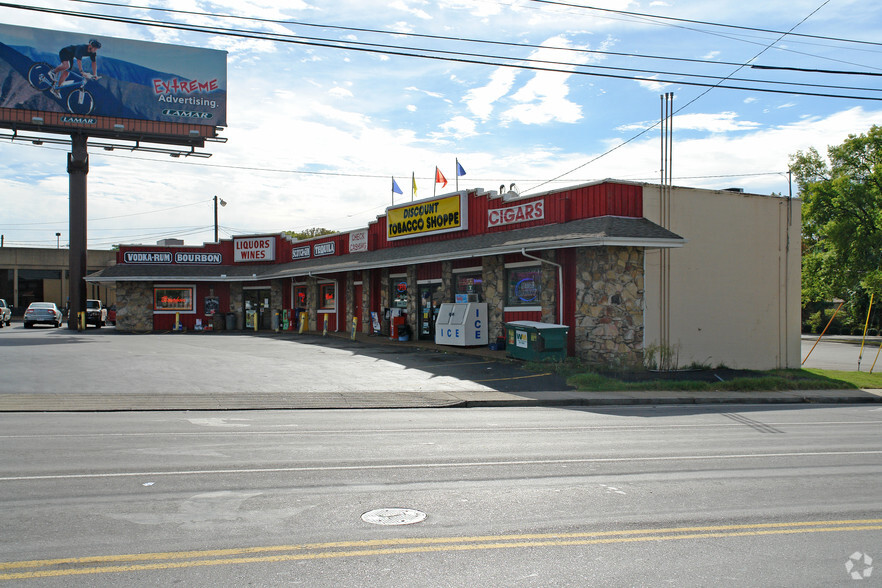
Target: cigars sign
(528, 211)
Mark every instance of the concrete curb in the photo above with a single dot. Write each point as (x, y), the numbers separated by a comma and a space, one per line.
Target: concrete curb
(79, 402)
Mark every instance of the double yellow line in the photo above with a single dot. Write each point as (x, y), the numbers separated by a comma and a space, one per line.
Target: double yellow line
(101, 564)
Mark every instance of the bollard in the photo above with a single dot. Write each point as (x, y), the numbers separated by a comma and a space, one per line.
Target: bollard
(325, 329)
(177, 321)
(81, 321)
(354, 326)
(302, 322)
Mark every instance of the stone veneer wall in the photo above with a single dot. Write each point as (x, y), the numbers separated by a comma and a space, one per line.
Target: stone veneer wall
(134, 306)
(367, 321)
(413, 298)
(548, 289)
(348, 286)
(493, 276)
(609, 305)
(447, 281)
(237, 301)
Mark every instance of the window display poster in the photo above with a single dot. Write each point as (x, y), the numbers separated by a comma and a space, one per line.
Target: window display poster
(212, 305)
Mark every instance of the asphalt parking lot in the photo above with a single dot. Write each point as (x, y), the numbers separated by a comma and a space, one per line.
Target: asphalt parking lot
(58, 361)
(48, 369)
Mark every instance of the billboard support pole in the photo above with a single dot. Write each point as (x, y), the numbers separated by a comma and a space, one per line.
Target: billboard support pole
(77, 169)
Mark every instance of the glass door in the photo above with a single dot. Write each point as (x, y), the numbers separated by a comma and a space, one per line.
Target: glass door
(430, 303)
(257, 308)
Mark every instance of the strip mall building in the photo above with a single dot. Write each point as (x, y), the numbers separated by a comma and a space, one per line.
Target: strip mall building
(637, 271)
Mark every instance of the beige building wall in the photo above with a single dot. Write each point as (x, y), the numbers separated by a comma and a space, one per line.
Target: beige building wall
(734, 287)
(17, 259)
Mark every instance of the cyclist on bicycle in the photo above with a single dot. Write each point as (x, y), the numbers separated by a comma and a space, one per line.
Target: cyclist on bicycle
(68, 54)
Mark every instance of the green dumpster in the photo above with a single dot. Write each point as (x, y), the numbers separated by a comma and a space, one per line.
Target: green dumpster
(535, 341)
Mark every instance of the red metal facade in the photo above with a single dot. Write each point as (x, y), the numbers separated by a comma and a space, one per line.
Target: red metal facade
(595, 200)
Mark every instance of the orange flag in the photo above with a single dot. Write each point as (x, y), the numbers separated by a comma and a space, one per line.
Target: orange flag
(439, 177)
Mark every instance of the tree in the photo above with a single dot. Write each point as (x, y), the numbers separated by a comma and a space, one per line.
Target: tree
(310, 233)
(842, 219)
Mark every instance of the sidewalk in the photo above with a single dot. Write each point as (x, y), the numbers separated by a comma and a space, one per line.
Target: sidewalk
(480, 396)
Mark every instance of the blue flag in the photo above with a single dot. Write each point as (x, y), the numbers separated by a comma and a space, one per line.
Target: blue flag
(395, 187)
(459, 170)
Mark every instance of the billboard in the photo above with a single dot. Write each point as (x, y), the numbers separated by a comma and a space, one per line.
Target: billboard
(138, 80)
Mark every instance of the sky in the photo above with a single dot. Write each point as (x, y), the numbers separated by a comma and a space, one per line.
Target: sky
(316, 133)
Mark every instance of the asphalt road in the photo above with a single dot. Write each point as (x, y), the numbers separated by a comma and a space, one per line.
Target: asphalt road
(512, 497)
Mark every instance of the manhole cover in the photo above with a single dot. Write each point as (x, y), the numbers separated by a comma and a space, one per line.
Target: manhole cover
(393, 516)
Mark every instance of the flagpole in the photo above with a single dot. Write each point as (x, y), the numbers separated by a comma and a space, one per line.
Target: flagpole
(435, 183)
(412, 184)
(456, 173)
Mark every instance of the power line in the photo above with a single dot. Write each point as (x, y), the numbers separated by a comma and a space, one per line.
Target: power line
(474, 59)
(695, 99)
(703, 22)
(432, 37)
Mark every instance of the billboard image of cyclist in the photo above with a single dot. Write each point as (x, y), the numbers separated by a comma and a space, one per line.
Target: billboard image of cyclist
(78, 53)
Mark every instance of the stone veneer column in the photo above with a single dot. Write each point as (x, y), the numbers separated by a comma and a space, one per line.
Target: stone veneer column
(276, 295)
(447, 281)
(237, 299)
(134, 306)
(413, 294)
(609, 306)
(312, 296)
(349, 286)
(366, 323)
(493, 287)
(548, 295)
(384, 300)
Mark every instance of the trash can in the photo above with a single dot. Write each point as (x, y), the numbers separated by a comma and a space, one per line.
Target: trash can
(535, 341)
(231, 321)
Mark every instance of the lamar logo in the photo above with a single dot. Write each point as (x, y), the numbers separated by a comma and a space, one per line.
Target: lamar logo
(79, 120)
(186, 113)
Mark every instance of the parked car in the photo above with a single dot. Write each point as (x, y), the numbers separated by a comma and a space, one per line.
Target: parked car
(5, 314)
(42, 313)
(96, 313)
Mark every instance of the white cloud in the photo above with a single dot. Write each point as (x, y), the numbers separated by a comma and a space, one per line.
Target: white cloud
(653, 86)
(459, 127)
(406, 6)
(481, 101)
(721, 122)
(338, 92)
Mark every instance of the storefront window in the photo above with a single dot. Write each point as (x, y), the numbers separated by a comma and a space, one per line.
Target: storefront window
(328, 296)
(469, 287)
(523, 286)
(299, 296)
(176, 299)
(399, 293)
